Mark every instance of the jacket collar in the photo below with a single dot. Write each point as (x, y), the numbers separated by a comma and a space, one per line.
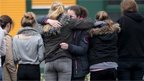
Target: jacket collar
(28, 31)
(104, 29)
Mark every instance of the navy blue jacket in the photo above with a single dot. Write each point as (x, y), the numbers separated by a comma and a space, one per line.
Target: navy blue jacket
(103, 46)
(78, 49)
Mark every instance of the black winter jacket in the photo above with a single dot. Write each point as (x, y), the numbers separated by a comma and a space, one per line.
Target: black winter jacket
(103, 45)
(131, 37)
(78, 49)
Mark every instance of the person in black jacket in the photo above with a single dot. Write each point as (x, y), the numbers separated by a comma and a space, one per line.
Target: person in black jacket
(58, 61)
(131, 42)
(103, 49)
(79, 46)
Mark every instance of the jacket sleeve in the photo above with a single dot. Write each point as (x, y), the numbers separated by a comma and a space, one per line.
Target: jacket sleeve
(41, 50)
(81, 24)
(42, 20)
(121, 22)
(15, 51)
(81, 49)
(1, 35)
(39, 28)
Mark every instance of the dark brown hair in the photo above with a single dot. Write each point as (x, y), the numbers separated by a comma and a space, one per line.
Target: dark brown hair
(79, 11)
(4, 20)
(84, 12)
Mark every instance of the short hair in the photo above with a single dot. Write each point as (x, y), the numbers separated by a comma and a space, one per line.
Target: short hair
(84, 12)
(4, 20)
(129, 5)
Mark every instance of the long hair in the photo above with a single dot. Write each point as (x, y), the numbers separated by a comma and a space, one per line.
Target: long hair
(103, 16)
(29, 19)
(55, 11)
(108, 27)
(129, 5)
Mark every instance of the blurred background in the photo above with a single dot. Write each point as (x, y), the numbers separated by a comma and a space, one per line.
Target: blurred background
(16, 9)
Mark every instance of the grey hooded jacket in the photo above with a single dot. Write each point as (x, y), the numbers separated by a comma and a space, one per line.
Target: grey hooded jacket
(28, 46)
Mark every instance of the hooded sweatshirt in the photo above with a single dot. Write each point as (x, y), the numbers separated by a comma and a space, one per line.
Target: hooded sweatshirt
(131, 37)
(28, 46)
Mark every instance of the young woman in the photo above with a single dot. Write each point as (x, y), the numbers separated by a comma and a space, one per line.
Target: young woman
(28, 49)
(103, 49)
(9, 68)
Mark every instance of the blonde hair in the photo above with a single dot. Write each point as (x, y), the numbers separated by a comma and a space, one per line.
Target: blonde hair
(129, 5)
(56, 9)
(109, 26)
(103, 16)
(29, 19)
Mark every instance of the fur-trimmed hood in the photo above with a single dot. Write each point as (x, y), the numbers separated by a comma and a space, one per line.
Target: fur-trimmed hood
(101, 27)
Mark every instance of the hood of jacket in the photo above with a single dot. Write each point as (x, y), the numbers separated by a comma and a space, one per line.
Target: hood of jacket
(99, 23)
(134, 16)
(28, 31)
(102, 28)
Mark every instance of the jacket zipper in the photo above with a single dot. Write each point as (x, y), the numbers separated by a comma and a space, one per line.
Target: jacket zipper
(76, 66)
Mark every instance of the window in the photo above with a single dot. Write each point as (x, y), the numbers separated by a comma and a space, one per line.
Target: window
(113, 2)
(117, 2)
